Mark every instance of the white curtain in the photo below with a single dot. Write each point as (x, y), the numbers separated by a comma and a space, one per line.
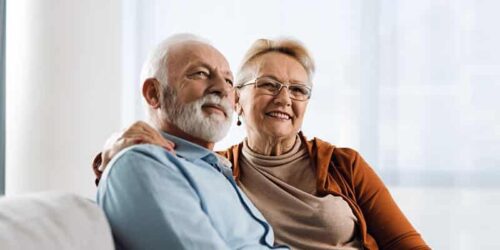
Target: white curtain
(62, 92)
(412, 85)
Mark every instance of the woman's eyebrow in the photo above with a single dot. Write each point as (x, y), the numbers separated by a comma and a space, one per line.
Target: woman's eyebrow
(272, 77)
(269, 76)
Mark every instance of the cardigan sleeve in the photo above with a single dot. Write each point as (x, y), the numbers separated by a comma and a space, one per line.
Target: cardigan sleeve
(384, 220)
(96, 163)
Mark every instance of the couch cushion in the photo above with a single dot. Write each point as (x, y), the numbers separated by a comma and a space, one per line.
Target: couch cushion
(52, 220)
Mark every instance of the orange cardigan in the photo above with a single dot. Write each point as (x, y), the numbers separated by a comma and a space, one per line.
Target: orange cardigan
(342, 172)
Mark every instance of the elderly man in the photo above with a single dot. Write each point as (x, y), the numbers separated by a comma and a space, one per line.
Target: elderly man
(155, 199)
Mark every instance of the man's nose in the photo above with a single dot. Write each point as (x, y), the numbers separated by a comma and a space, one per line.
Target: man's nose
(220, 86)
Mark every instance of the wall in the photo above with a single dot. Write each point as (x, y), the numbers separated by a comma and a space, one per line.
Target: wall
(63, 91)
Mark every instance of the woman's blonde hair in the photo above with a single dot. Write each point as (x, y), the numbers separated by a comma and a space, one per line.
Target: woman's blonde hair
(287, 46)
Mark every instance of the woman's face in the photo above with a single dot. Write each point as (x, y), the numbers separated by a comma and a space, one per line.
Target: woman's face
(276, 116)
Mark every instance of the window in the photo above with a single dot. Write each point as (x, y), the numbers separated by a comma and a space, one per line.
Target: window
(410, 84)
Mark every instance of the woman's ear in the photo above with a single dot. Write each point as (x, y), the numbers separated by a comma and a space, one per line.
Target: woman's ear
(151, 90)
(237, 104)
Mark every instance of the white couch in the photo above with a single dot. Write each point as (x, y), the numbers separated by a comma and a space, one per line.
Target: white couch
(53, 221)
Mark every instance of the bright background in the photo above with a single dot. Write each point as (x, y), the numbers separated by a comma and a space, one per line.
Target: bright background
(412, 85)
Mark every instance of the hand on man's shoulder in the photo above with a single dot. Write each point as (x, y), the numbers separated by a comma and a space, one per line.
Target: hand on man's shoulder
(135, 160)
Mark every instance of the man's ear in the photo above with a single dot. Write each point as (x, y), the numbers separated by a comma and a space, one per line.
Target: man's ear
(151, 90)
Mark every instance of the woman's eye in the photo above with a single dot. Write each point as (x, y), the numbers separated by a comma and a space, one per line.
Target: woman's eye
(299, 90)
(267, 85)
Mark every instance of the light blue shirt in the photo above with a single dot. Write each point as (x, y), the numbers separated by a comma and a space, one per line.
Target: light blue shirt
(154, 199)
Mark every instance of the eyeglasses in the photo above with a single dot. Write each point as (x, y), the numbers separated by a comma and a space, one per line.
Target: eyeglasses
(269, 86)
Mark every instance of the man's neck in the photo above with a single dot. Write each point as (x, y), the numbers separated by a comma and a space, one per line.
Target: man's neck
(175, 131)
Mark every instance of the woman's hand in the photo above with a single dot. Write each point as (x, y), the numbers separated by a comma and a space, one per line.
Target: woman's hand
(139, 133)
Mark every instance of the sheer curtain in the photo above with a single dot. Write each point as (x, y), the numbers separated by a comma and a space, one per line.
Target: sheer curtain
(2, 97)
(412, 85)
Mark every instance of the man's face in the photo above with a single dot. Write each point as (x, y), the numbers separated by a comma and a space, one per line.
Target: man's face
(199, 99)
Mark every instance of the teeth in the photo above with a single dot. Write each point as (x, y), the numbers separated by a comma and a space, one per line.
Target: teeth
(279, 115)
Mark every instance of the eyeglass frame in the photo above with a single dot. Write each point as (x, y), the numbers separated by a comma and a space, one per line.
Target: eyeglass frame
(254, 81)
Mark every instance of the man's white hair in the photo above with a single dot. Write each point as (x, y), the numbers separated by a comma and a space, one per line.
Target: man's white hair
(155, 65)
(188, 117)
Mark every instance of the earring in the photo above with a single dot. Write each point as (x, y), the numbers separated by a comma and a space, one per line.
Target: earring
(238, 122)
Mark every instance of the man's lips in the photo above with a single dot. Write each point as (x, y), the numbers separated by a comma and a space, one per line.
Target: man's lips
(215, 107)
(279, 115)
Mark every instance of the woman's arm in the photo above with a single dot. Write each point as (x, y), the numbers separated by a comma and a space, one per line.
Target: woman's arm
(138, 133)
(385, 221)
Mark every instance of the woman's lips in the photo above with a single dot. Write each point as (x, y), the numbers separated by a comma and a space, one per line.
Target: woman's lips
(279, 115)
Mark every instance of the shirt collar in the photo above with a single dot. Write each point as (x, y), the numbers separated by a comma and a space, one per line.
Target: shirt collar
(191, 152)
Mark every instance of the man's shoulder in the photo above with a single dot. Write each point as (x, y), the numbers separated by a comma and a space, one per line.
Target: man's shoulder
(145, 152)
(143, 156)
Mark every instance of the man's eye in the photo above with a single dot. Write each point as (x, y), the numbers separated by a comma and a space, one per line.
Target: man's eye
(229, 81)
(200, 75)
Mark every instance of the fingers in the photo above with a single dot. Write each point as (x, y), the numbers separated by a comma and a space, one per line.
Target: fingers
(112, 139)
(155, 134)
(120, 144)
(138, 133)
(141, 128)
(151, 134)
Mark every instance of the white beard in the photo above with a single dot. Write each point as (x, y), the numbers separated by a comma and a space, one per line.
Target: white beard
(190, 117)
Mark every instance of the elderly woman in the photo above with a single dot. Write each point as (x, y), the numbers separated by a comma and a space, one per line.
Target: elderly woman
(315, 195)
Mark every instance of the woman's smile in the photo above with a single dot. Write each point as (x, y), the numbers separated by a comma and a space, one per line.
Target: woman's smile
(279, 115)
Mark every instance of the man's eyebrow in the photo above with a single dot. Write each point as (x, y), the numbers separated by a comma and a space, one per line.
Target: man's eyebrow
(196, 64)
(228, 73)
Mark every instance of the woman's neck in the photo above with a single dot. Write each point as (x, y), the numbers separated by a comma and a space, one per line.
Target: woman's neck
(267, 145)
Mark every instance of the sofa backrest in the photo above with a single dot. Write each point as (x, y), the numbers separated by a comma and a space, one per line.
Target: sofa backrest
(53, 220)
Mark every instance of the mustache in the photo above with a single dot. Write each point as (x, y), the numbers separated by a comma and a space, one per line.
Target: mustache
(214, 99)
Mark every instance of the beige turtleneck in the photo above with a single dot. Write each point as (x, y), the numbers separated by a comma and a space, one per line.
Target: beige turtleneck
(283, 188)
